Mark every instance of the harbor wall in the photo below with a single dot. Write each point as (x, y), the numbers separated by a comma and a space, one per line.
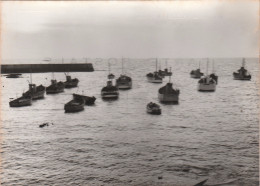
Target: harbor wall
(38, 68)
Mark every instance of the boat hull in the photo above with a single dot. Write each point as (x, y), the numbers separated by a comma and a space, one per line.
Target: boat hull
(74, 106)
(109, 95)
(88, 100)
(20, 102)
(164, 98)
(207, 87)
(124, 85)
(153, 80)
(195, 76)
(237, 77)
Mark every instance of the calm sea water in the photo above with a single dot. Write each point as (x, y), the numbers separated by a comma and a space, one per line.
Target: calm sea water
(207, 135)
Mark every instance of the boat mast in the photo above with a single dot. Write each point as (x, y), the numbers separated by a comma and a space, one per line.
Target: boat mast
(170, 77)
(156, 66)
(31, 73)
(122, 65)
(207, 65)
(243, 62)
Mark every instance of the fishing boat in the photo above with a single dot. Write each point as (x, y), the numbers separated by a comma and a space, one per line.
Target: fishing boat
(110, 75)
(36, 92)
(242, 73)
(124, 81)
(153, 108)
(71, 83)
(88, 100)
(110, 91)
(165, 72)
(213, 74)
(74, 105)
(154, 77)
(55, 87)
(196, 73)
(168, 94)
(47, 59)
(21, 101)
(207, 83)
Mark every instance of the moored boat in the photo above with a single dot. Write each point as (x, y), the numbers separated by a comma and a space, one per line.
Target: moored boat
(21, 101)
(110, 91)
(154, 77)
(206, 83)
(35, 92)
(124, 82)
(168, 94)
(196, 73)
(74, 105)
(242, 73)
(71, 83)
(153, 108)
(55, 87)
(88, 100)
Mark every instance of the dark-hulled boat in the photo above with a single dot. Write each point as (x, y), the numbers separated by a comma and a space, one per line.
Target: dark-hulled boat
(168, 94)
(55, 87)
(88, 100)
(153, 108)
(109, 91)
(124, 82)
(35, 92)
(74, 105)
(196, 74)
(20, 102)
(164, 72)
(71, 83)
(242, 73)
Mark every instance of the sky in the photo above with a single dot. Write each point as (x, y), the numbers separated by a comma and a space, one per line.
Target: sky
(134, 29)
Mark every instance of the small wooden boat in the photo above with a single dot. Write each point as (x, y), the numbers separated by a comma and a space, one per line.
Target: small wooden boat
(164, 72)
(214, 76)
(35, 92)
(55, 87)
(242, 73)
(109, 91)
(88, 100)
(74, 105)
(124, 82)
(20, 102)
(153, 108)
(70, 83)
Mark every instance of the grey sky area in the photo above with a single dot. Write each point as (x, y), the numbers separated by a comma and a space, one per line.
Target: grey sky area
(180, 29)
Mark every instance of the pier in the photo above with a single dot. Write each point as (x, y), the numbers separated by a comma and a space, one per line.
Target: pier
(38, 68)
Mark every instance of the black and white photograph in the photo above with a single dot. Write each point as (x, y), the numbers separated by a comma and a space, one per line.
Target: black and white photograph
(129, 93)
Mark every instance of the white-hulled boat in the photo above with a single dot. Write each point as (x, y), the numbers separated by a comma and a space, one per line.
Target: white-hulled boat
(109, 91)
(154, 77)
(168, 94)
(153, 108)
(242, 73)
(206, 83)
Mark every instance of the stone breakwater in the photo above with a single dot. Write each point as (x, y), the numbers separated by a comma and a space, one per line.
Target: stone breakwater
(38, 68)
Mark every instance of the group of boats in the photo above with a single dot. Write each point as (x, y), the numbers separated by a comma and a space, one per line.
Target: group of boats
(38, 92)
(166, 94)
(208, 82)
